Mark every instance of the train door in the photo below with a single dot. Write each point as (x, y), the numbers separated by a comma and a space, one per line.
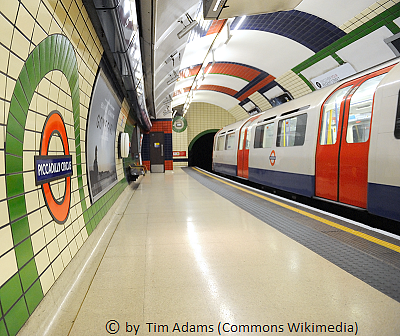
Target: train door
(243, 150)
(342, 151)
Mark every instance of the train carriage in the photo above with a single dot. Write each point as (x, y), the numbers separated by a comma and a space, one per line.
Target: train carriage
(340, 143)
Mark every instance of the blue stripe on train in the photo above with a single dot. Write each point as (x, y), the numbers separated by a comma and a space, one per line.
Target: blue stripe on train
(384, 200)
(224, 168)
(297, 183)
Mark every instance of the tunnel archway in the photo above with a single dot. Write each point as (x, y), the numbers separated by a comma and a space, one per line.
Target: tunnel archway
(200, 150)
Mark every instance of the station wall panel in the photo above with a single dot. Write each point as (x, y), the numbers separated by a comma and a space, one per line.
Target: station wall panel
(49, 58)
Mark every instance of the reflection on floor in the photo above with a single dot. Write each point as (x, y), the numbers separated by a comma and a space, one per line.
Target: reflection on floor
(184, 259)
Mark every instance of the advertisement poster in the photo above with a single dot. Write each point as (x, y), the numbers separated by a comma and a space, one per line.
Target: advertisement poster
(100, 138)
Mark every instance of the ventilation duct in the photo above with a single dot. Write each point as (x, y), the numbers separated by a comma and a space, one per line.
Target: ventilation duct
(120, 26)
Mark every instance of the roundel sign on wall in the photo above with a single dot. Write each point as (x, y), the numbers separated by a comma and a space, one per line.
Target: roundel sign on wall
(50, 168)
(179, 124)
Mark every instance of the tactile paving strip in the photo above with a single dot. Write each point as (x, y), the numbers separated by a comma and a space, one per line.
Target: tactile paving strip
(377, 273)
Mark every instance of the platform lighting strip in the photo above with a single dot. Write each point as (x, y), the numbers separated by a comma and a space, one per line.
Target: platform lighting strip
(193, 87)
(216, 5)
(365, 236)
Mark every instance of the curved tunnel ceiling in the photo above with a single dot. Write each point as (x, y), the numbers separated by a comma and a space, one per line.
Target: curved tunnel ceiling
(262, 55)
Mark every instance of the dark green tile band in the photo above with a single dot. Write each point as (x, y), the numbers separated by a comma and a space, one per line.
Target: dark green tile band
(15, 184)
(10, 292)
(3, 330)
(24, 253)
(15, 163)
(16, 207)
(20, 229)
(28, 274)
(16, 317)
(394, 28)
(305, 80)
(33, 296)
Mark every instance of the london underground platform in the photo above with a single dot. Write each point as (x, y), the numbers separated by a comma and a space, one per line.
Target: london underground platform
(187, 253)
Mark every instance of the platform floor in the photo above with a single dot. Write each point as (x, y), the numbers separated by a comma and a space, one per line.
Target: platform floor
(183, 256)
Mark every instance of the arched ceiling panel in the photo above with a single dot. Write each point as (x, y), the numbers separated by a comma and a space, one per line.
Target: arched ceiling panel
(220, 99)
(266, 53)
(337, 12)
(234, 83)
(272, 53)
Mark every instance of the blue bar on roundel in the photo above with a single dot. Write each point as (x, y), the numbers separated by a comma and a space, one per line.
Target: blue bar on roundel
(52, 167)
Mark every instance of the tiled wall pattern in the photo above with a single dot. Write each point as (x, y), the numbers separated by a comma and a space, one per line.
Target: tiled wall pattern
(238, 113)
(257, 80)
(204, 116)
(262, 102)
(180, 143)
(40, 73)
(367, 14)
(160, 125)
(294, 84)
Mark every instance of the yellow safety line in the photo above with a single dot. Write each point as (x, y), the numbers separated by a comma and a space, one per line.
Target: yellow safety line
(305, 213)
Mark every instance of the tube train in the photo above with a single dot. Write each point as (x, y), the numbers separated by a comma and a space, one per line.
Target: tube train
(340, 143)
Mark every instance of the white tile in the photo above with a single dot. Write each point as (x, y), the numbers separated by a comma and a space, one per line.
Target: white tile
(8, 266)
(4, 213)
(32, 201)
(42, 261)
(66, 256)
(62, 240)
(35, 218)
(6, 240)
(28, 165)
(58, 267)
(47, 280)
(29, 137)
(3, 194)
(50, 234)
(53, 250)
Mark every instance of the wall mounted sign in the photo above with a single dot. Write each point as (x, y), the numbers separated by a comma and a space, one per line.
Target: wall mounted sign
(333, 76)
(178, 153)
(179, 124)
(50, 168)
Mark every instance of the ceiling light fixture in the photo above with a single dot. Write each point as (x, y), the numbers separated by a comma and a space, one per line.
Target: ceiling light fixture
(216, 5)
(173, 78)
(188, 28)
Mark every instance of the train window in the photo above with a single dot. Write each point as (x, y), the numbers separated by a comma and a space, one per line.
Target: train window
(230, 141)
(292, 131)
(221, 143)
(361, 110)
(330, 117)
(248, 137)
(263, 137)
(242, 134)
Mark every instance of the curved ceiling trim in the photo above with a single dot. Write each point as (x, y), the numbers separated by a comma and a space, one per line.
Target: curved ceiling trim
(307, 29)
(208, 87)
(239, 70)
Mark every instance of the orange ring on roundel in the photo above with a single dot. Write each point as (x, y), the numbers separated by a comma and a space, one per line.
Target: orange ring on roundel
(272, 158)
(58, 210)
